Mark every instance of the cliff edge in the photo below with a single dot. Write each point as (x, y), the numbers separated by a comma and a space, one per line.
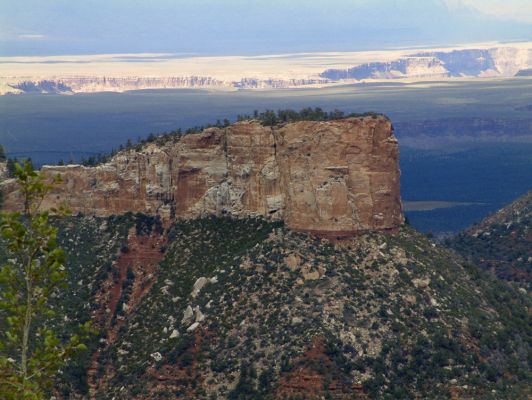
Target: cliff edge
(333, 177)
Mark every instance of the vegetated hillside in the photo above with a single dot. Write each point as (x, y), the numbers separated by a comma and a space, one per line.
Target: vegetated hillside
(502, 242)
(219, 308)
(93, 245)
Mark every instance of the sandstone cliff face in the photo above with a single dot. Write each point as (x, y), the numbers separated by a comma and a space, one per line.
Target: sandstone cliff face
(334, 177)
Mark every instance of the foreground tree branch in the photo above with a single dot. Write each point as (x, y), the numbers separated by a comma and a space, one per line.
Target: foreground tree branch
(31, 354)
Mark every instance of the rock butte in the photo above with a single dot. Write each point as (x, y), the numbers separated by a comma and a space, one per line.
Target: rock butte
(332, 178)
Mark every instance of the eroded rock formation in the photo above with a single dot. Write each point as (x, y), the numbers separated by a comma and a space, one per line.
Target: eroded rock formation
(335, 177)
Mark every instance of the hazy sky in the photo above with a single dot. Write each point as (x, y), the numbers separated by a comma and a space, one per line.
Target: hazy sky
(46, 27)
(519, 10)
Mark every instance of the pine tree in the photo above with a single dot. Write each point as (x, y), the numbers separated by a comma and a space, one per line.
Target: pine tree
(31, 353)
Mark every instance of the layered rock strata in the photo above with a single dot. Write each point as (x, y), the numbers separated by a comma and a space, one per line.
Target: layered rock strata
(335, 177)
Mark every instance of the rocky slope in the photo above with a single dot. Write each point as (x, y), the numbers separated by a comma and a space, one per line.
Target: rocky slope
(248, 309)
(335, 177)
(502, 242)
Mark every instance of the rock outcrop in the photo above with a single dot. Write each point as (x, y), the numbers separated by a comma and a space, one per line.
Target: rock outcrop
(336, 177)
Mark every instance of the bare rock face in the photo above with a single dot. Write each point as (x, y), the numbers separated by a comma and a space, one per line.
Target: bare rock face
(335, 177)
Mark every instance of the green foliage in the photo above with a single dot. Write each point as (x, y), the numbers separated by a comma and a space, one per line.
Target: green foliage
(31, 353)
(245, 388)
(270, 117)
(145, 224)
(11, 166)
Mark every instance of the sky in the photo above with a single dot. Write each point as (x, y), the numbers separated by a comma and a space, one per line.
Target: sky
(518, 10)
(240, 27)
